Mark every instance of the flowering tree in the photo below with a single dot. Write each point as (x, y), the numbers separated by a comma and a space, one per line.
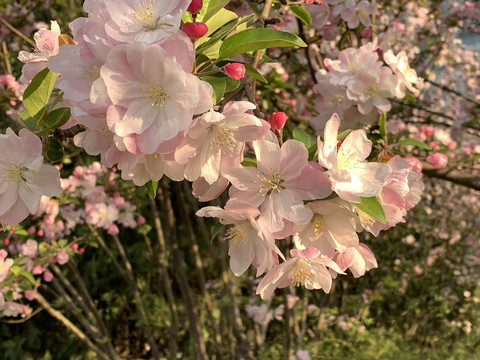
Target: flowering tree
(303, 122)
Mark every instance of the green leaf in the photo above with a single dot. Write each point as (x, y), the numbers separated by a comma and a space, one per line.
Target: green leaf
(42, 247)
(302, 136)
(222, 17)
(372, 207)
(250, 70)
(344, 134)
(216, 229)
(249, 162)
(219, 85)
(55, 119)
(55, 151)
(29, 121)
(210, 8)
(256, 39)
(37, 94)
(152, 188)
(383, 120)
(416, 143)
(302, 14)
(15, 269)
(28, 275)
(410, 97)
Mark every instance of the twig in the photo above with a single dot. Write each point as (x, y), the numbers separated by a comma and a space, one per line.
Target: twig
(69, 325)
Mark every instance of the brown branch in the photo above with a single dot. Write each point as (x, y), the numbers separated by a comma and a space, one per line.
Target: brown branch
(453, 175)
(69, 325)
(17, 32)
(446, 88)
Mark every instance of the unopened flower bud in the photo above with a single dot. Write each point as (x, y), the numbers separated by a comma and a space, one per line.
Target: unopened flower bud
(438, 160)
(3, 254)
(414, 164)
(47, 276)
(195, 6)
(30, 295)
(277, 120)
(366, 33)
(195, 30)
(37, 270)
(236, 71)
(74, 247)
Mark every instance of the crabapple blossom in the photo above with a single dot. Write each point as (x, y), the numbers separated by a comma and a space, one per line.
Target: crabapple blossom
(146, 20)
(358, 259)
(46, 45)
(332, 227)
(438, 160)
(306, 267)
(215, 142)
(283, 179)
(24, 178)
(406, 76)
(250, 240)
(350, 175)
(154, 102)
(5, 265)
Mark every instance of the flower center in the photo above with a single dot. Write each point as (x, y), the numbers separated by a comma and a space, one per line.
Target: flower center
(221, 137)
(365, 219)
(302, 274)
(346, 159)
(371, 90)
(93, 73)
(144, 14)
(318, 224)
(270, 183)
(157, 94)
(237, 233)
(14, 173)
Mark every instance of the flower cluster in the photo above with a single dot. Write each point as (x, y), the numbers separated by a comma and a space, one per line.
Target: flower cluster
(288, 195)
(358, 85)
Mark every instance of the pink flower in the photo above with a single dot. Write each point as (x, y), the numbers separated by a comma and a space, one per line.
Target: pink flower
(37, 270)
(5, 265)
(195, 30)
(215, 142)
(250, 242)
(283, 179)
(147, 20)
(351, 176)
(358, 259)
(235, 70)
(23, 176)
(47, 276)
(332, 227)
(438, 160)
(29, 248)
(414, 164)
(154, 102)
(306, 267)
(46, 42)
(62, 257)
(30, 295)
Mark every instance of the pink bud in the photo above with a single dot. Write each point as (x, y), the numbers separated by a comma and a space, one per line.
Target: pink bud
(195, 6)
(278, 120)
(414, 164)
(81, 250)
(47, 276)
(37, 270)
(438, 160)
(113, 229)
(6, 242)
(40, 232)
(74, 247)
(195, 30)
(141, 220)
(366, 33)
(31, 230)
(25, 310)
(3, 254)
(30, 295)
(235, 70)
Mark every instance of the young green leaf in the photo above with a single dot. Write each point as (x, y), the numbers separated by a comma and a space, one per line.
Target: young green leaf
(383, 120)
(37, 94)
(416, 143)
(256, 39)
(302, 136)
(28, 275)
(302, 14)
(249, 162)
(372, 207)
(152, 188)
(55, 151)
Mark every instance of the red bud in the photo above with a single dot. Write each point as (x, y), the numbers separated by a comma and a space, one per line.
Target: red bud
(278, 120)
(195, 6)
(195, 30)
(235, 70)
